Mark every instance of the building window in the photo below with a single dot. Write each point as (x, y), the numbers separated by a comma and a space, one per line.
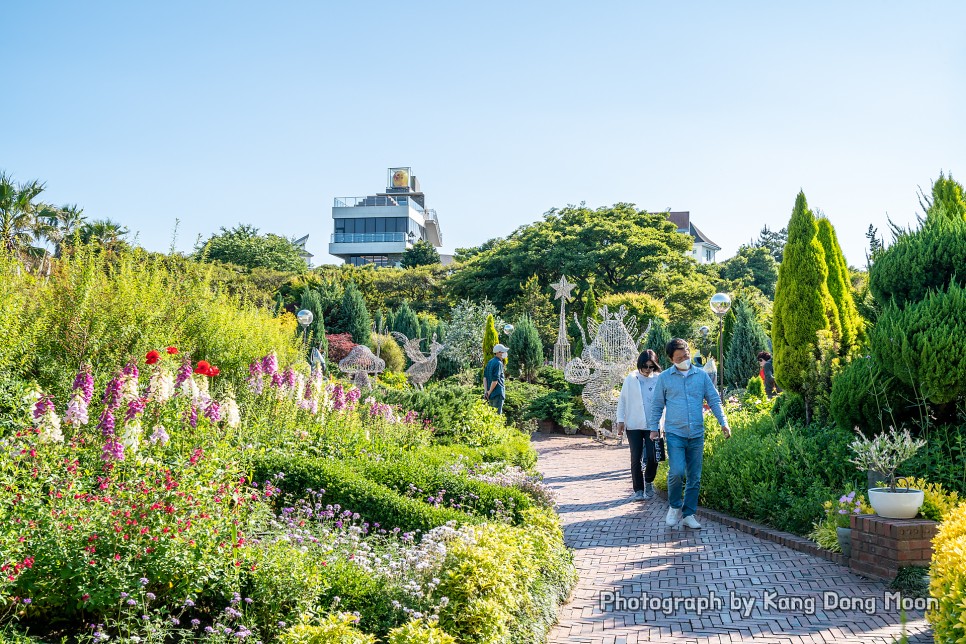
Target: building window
(362, 260)
(708, 255)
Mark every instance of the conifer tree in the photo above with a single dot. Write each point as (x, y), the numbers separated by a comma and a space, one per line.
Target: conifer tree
(803, 305)
(657, 339)
(355, 315)
(405, 321)
(490, 338)
(312, 300)
(526, 350)
(852, 327)
(590, 307)
(747, 339)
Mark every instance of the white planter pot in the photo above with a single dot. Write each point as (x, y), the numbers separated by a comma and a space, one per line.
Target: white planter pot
(901, 504)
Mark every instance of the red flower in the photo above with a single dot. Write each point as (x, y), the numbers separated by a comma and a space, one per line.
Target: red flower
(203, 367)
(172, 350)
(152, 357)
(213, 371)
(85, 597)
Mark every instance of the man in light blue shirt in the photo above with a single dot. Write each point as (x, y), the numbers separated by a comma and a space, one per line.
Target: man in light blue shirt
(680, 392)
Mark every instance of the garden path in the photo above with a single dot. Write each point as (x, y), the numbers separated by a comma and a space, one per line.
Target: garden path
(624, 546)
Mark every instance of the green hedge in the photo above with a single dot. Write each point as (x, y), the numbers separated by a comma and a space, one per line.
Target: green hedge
(375, 503)
(399, 472)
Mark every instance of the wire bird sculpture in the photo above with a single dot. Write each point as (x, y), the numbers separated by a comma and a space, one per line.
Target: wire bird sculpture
(361, 362)
(605, 360)
(424, 366)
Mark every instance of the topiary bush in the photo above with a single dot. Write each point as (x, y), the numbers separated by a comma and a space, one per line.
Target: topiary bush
(862, 396)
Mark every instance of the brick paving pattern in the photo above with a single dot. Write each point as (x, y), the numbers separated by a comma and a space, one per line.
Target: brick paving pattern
(623, 546)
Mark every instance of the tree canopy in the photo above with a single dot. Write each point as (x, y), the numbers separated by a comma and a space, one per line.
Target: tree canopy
(614, 248)
(422, 253)
(243, 246)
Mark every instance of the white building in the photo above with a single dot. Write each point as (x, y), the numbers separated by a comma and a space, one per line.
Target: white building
(704, 249)
(379, 228)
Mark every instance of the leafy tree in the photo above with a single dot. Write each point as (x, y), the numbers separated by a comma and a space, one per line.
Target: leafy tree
(464, 333)
(526, 350)
(803, 304)
(355, 316)
(641, 305)
(852, 327)
(405, 321)
(753, 266)
(748, 338)
(611, 247)
(490, 338)
(422, 253)
(773, 241)
(534, 303)
(243, 246)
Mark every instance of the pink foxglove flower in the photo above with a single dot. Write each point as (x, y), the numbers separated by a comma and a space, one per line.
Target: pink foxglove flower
(49, 424)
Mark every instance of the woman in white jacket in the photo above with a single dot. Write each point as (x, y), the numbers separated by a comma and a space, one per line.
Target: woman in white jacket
(636, 394)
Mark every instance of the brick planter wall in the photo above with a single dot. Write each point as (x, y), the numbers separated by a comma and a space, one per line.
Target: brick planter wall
(881, 546)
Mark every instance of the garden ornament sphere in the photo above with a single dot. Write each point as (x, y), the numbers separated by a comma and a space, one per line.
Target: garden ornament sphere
(704, 331)
(508, 328)
(720, 303)
(305, 317)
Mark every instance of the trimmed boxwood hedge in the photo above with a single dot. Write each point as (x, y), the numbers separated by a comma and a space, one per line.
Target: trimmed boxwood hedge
(374, 502)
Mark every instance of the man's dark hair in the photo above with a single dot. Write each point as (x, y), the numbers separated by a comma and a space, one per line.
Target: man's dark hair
(764, 355)
(674, 345)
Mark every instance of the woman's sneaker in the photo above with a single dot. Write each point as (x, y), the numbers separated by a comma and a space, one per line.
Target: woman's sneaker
(690, 522)
(673, 516)
(640, 495)
(649, 491)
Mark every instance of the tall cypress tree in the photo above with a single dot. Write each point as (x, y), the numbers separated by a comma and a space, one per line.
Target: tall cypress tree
(590, 307)
(490, 339)
(852, 327)
(312, 300)
(657, 339)
(526, 350)
(747, 339)
(803, 305)
(406, 322)
(355, 315)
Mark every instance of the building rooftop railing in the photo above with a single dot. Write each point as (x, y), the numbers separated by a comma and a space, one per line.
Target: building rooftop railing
(372, 200)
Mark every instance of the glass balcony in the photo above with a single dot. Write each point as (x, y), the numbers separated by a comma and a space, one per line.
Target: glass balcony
(366, 238)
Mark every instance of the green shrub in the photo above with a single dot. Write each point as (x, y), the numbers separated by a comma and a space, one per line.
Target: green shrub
(920, 344)
(389, 351)
(861, 395)
(644, 306)
(334, 629)
(558, 406)
(948, 579)
(284, 581)
(519, 396)
(788, 409)
(920, 262)
(937, 501)
(755, 388)
(526, 350)
(941, 460)
(419, 631)
(403, 470)
(344, 486)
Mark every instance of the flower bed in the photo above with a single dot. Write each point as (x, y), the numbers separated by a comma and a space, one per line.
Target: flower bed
(168, 506)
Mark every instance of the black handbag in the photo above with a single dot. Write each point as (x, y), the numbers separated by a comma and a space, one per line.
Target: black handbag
(659, 452)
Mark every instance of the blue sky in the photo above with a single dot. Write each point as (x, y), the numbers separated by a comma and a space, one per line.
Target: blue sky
(219, 113)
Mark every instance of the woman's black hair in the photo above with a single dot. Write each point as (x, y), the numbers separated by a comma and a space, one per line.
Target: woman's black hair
(764, 355)
(648, 356)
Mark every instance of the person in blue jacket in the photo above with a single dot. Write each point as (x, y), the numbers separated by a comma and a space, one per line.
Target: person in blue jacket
(680, 394)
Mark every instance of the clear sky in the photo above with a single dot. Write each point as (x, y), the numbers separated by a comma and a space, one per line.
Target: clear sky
(219, 113)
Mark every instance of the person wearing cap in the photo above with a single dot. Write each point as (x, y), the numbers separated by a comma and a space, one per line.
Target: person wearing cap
(494, 376)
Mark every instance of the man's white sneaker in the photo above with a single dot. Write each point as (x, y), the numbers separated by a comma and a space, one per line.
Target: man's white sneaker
(673, 516)
(690, 522)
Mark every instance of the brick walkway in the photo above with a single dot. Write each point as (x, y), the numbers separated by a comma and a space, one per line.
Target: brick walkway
(623, 546)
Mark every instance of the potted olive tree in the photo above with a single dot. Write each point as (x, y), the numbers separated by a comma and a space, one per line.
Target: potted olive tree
(885, 453)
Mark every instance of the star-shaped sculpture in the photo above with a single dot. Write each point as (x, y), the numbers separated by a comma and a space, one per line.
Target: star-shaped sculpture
(563, 288)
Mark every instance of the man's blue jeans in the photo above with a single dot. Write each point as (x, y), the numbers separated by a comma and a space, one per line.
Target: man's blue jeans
(684, 456)
(496, 402)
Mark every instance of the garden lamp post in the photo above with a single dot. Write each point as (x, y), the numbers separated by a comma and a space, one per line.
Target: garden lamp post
(305, 318)
(720, 304)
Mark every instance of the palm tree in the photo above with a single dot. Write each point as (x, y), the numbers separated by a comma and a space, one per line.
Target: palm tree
(67, 220)
(18, 213)
(106, 232)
